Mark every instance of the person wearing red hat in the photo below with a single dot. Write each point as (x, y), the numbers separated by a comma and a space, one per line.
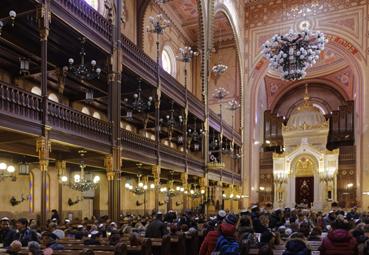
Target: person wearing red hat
(227, 229)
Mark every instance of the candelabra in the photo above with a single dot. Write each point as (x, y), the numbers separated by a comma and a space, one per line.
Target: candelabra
(280, 177)
(83, 71)
(5, 21)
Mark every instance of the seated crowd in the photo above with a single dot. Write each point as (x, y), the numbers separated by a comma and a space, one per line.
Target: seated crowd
(254, 231)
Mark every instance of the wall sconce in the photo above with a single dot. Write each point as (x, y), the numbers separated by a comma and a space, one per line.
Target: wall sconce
(179, 203)
(13, 201)
(71, 202)
(138, 203)
(161, 203)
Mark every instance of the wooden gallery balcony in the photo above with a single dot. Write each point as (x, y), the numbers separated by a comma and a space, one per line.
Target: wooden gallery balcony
(22, 111)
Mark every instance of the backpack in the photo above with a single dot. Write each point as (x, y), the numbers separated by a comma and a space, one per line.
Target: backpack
(227, 246)
(250, 239)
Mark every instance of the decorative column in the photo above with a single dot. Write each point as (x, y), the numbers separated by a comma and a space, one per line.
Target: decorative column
(61, 168)
(43, 147)
(113, 162)
(204, 183)
(156, 170)
(184, 179)
(113, 177)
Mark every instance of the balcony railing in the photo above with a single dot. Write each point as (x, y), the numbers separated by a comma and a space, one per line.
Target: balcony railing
(20, 103)
(88, 15)
(67, 119)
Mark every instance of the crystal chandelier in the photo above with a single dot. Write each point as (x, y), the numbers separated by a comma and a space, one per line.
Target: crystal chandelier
(234, 195)
(83, 71)
(195, 192)
(82, 182)
(141, 187)
(7, 171)
(4, 21)
(291, 54)
(170, 191)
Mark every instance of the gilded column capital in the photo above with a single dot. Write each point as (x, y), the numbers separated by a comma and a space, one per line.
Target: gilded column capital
(156, 171)
(61, 166)
(43, 147)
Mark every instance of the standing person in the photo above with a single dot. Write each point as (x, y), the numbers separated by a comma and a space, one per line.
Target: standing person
(7, 235)
(25, 234)
(157, 228)
(55, 216)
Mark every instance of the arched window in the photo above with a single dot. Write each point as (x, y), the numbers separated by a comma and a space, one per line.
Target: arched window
(85, 110)
(36, 90)
(93, 3)
(53, 97)
(96, 115)
(168, 60)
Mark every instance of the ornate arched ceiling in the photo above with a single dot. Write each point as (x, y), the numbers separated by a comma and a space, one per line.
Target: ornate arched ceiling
(187, 13)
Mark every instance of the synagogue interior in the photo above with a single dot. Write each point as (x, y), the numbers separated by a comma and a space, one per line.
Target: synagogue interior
(134, 107)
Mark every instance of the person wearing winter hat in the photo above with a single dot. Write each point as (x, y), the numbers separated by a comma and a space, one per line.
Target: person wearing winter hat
(231, 219)
(221, 215)
(34, 248)
(339, 240)
(15, 247)
(297, 245)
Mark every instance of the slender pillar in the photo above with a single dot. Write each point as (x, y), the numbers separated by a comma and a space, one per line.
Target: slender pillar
(61, 168)
(113, 176)
(184, 179)
(43, 148)
(113, 162)
(42, 143)
(156, 170)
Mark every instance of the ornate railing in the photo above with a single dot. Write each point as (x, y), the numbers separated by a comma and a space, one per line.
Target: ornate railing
(88, 15)
(20, 103)
(170, 155)
(133, 141)
(136, 60)
(62, 118)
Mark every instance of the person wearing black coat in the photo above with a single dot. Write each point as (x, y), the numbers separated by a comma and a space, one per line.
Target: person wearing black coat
(157, 228)
(25, 234)
(7, 235)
